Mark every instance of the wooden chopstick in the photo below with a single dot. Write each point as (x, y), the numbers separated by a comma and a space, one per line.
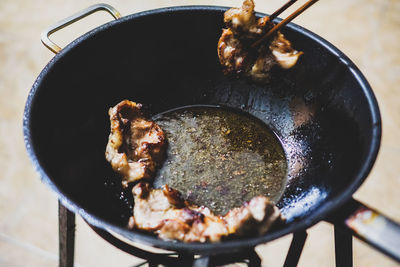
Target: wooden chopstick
(281, 9)
(284, 22)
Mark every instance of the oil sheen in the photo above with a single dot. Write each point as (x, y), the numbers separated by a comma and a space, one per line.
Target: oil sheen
(220, 158)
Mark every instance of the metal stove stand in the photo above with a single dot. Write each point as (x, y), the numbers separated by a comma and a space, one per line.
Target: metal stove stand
(343, 249)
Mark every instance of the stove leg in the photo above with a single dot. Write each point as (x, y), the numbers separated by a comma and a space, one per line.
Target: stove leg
(152, 264)
(203, 261)
(296, 247)
(185, 259)
(66, 234)
(248, 256)
(254, 259)
(343, 248)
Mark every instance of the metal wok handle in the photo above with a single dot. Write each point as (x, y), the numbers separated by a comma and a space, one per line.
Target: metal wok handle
(370, 226)
(65, 22)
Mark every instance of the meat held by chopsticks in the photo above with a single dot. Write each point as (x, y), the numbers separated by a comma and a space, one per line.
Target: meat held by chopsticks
(136, 145)
(164, 212)
(243, 22)
(239, 56)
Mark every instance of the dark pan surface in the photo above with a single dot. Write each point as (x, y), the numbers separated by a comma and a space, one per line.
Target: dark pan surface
(323, 110)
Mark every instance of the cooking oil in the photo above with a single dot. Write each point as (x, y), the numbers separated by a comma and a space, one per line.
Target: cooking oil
(219, 157)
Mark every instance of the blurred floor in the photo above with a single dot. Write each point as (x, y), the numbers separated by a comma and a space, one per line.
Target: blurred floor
(368, 31)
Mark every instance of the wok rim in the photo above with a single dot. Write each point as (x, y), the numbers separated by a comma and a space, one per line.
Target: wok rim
(230, 245)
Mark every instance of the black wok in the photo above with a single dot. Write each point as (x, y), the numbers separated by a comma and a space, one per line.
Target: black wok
(323, 110)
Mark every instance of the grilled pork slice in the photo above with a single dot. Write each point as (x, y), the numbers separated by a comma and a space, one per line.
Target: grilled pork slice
(236, 54)
(164, 212)
(136, 145)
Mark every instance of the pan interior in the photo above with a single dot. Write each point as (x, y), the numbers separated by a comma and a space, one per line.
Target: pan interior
(322, 110)
(220, 157)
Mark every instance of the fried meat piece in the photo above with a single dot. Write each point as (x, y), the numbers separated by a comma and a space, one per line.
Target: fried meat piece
(136, 145)
(283, 52)
(243, 22)
(164, 212)
(256, 216)
(233, 57)
(235, 51)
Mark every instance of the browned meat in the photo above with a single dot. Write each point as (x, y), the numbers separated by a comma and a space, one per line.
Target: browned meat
(283, 52)
(136, 145)
(231, 53)
(243, 22)
(256, 216)
(236, 54)
(164, 212)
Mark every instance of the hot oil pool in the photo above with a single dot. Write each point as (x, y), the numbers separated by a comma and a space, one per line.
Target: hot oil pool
(219, 157)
